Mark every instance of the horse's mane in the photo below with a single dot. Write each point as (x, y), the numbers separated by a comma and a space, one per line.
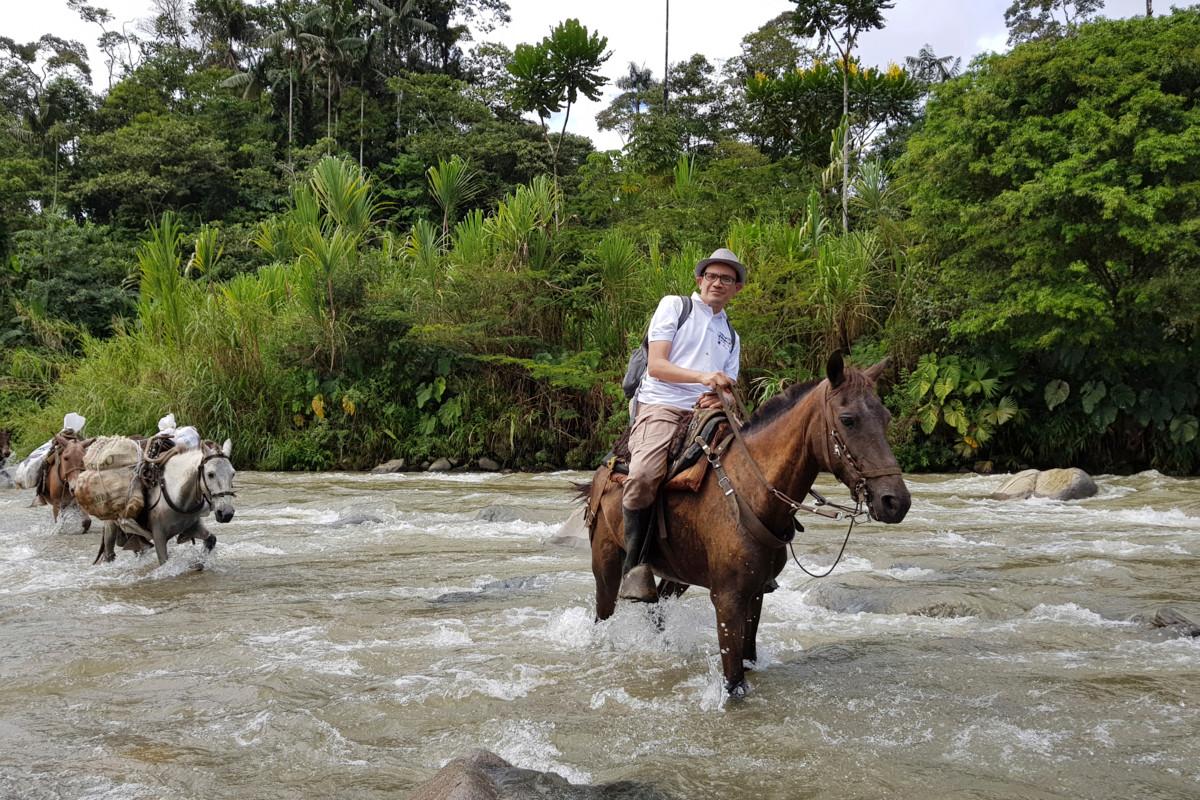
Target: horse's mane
(781, 403)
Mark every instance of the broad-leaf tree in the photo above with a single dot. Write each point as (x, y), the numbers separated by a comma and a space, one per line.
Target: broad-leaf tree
(1060, 204)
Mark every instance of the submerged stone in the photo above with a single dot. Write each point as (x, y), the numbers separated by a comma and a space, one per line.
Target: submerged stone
(483, 775)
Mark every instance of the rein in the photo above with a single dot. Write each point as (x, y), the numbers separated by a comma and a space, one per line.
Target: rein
(206, 496)
(822, 507)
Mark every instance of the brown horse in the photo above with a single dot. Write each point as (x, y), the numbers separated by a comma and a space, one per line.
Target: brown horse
(714, 538)
(63, 464)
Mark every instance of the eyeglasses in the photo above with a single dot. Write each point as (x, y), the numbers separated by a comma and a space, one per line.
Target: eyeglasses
(713, 277)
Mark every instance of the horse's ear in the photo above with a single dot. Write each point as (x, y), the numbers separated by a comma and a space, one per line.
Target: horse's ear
(835, 369)
(227, 448)
(88, 442)
(875, 370)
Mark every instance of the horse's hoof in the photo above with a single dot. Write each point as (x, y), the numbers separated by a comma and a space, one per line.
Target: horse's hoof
(210, 543)
(87, 524)
(737, 691)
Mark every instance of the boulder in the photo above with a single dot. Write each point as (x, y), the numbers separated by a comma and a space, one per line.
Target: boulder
(1054, 484)
(482, 775)
(488, 465)
(499, 514)
(1065, 484)
(574, 532)
(441, 465)
(395, 465)
(1018, 487)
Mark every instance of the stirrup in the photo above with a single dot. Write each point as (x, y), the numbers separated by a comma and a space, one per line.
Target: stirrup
(638, 585)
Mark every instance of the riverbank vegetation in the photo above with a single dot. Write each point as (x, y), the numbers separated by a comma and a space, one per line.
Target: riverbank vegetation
(326, 231)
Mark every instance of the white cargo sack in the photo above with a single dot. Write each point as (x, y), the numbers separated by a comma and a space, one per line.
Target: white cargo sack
(26, 474)
(106, 488)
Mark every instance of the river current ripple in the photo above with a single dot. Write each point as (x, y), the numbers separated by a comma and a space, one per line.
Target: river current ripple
(352, 633)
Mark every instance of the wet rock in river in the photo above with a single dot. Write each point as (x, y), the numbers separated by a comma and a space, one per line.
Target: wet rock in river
(354, 518)
(395, 465)
(1172, 620)
(482, 775)
(505, 587)
(1055, 484)
(441, 465)
(488, 465)
(499, 514)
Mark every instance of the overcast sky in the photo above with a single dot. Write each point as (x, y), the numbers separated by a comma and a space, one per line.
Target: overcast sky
(635, 31)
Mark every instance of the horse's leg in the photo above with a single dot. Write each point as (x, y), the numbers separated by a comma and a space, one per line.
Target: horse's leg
(750, 649)
(160, 543)
(201, 532)
(731, 607)
(86, 522)
(606, 568)
(666, 589)
(108, 541)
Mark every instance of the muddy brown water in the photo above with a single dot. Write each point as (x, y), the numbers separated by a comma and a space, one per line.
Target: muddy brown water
(352, 633)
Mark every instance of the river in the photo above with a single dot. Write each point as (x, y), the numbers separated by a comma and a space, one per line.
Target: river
(351, 633)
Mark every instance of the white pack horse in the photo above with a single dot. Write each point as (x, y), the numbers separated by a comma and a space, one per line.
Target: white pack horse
(194, 484)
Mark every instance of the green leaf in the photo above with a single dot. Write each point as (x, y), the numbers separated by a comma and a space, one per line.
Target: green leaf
(946, 384)
(956, 416)
(1184, 429)
(1122, 396)
(928, 417)
(1091, 394)
(1056, 393)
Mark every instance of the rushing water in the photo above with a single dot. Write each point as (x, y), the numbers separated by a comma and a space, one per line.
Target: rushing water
(352, 633)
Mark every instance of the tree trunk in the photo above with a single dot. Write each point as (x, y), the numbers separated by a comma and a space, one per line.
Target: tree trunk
(846, 142)
(666, 54)
(360, 130)
(289, 117)
(1149, 8)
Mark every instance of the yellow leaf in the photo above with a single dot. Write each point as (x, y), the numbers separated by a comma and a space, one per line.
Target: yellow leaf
(299, 420)
(348, 405)
(318, 406)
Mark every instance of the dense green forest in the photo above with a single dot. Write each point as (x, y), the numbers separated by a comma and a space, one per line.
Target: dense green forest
(333, 231)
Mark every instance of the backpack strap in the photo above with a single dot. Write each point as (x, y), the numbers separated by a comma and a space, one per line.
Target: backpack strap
(684, 312)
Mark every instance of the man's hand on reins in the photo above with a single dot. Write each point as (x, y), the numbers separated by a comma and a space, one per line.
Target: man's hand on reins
(717, 381)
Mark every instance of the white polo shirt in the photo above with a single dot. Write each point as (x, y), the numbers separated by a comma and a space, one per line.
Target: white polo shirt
(702, 344)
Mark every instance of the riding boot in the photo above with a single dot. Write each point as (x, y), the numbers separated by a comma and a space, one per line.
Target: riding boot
(637, 582)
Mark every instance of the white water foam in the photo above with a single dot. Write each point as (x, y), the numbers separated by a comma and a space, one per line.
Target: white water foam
(527, 744)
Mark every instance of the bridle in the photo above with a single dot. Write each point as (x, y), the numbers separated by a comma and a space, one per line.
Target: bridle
(206, 495)
(749, 521)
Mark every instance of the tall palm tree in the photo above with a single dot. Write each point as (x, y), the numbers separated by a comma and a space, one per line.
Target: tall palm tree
(329, 30)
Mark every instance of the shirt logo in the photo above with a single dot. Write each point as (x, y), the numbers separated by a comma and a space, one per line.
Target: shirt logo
(724, 340)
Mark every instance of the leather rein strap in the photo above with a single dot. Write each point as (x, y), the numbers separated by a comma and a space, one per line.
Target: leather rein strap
(750, 522)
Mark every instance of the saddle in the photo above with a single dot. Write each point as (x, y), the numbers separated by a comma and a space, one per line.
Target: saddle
(688, 466)
(686, 473)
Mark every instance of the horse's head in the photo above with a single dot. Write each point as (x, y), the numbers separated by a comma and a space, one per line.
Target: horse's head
(856, 423)
(216, 479)
(70, 458)
(5, 444)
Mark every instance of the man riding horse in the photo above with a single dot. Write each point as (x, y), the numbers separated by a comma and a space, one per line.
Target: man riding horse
(687, 365)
